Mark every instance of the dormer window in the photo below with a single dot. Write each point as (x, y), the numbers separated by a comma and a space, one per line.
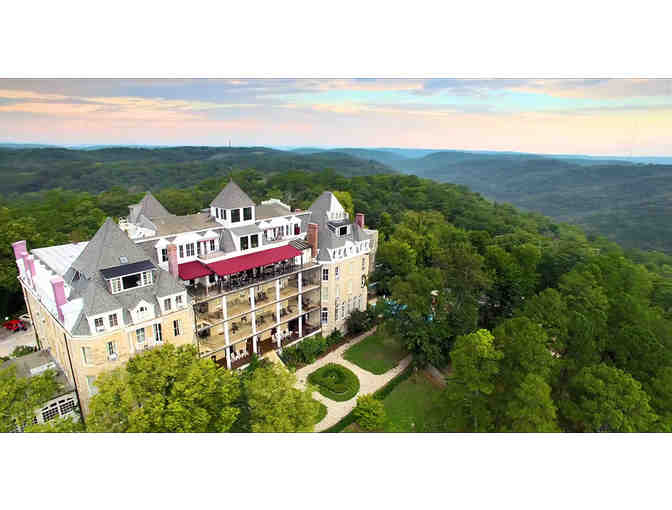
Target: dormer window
(343, 231)
(99, 324)
(235, 215)
(247, 214)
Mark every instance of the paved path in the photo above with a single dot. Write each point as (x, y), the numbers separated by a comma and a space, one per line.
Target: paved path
(9, 340)
(368, 382)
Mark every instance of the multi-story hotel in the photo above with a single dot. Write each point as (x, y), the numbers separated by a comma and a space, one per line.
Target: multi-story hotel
(234, 279)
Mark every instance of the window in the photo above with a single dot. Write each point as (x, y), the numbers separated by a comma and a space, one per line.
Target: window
(164, 255)
(338, 292)
(254, 240)
(244, 243)
(286, 230)
(190, 249)
(325, 274)
(90, 382)
(111, 351)
(140, 335)
(247, 214)
(198, 248)
(223, 213)
(337, 275)
(343, 231)
(217, 212)
(336, 312)
(146, 278)
(99, 324)
(115, 284)
(158, 334)
(235, 215)
(212, 245)
(363, 263)
(131, 281)
(325, 293)
(325, 315)
(177, 327)
(113, 320)
(178, 301)
(50, 412)
(86, 355)
(166, 304)
(181, 251)
(66, 406)
(343, 310)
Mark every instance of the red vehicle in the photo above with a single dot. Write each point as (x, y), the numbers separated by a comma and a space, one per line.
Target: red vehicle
(15, 325)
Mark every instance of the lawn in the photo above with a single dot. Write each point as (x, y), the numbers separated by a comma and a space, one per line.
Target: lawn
(377, 353)
(415, 405)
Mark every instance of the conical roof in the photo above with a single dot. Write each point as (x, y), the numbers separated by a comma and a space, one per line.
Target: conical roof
(232, 197)
(149, 207)
(109, 247)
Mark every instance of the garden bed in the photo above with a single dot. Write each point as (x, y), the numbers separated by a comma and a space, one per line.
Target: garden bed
(335, 382)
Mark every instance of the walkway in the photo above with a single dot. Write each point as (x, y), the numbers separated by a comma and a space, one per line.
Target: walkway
(368, 382)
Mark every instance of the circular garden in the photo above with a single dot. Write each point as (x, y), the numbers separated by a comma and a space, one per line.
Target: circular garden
(335, 382)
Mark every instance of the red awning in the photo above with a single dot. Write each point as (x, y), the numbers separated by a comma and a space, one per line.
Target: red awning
(191, 270)
(260, 258)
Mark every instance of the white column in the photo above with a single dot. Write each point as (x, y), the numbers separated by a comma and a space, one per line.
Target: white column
(254, 313)
(300, 281)
(254, 343)
(278, 339)
(277, 297)
(300, 326)
(226, 332)
(228, 356)
(225, 311)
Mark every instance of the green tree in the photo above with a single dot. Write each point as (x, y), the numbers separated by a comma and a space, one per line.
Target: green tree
(167, 389)
(369, 413)
(20, 397)
(531, 409)
(275, 404)
(345, 199)
(470, 388)
(60, 426)
(606, 399)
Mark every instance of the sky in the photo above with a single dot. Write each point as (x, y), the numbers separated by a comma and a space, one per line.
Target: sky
(620, 117)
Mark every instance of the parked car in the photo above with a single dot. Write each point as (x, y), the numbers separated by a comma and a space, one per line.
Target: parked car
(15, 325)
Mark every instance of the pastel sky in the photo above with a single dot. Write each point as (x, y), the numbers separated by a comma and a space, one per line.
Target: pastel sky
(572, 116)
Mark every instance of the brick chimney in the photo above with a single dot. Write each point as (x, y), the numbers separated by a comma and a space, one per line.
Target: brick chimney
(58, 286)
(359, 219)
(19, 249)
(313, 229)
(173, 267)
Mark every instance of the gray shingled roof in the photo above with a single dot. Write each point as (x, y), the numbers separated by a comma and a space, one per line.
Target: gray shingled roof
(169, 225)
(320, 207)
(226, 243)
(104, 250)
(232, 197)
(25, 364)
(149, 207)
(266, 211)
(246, 230)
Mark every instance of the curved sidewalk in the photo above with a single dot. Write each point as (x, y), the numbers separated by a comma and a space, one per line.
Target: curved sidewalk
(368, 382)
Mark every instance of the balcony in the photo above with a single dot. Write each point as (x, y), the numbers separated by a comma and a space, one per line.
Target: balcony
(246, 279)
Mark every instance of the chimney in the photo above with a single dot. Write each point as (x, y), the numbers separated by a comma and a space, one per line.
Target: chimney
(173, 267)
(359, 219)
(29, 264)
(19, 249)
(57, 284)
(312, 238)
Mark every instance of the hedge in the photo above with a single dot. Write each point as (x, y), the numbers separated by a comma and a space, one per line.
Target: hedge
(335, 382)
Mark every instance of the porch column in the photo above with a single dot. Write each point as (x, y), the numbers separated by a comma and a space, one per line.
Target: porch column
(278, 339)
(254, 344)
(300, 326)
(299, 279)
(225, 311)
(277, 298)
(226, 333)
(228, 356)
(254, 313)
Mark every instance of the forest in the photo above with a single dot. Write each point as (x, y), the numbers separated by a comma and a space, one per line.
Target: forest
(544, 328)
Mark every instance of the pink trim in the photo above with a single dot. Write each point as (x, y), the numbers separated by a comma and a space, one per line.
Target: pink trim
(359, 219)
(58, 286)
(173, 267)
(19, 249)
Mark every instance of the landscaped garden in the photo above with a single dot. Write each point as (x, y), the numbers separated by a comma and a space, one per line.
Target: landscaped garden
(321, 413)
(377, 353)
(335, 382)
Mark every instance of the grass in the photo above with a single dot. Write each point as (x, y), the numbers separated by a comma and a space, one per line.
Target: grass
(335, 382)
(377, 353)
(414, 405)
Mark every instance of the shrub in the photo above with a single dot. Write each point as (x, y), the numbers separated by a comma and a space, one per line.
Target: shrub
(334, 337)
(291, 356)
(312, 347)
(22, 350)
(369, 413)
(359, 321)
(335, 382)
(321, 413)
